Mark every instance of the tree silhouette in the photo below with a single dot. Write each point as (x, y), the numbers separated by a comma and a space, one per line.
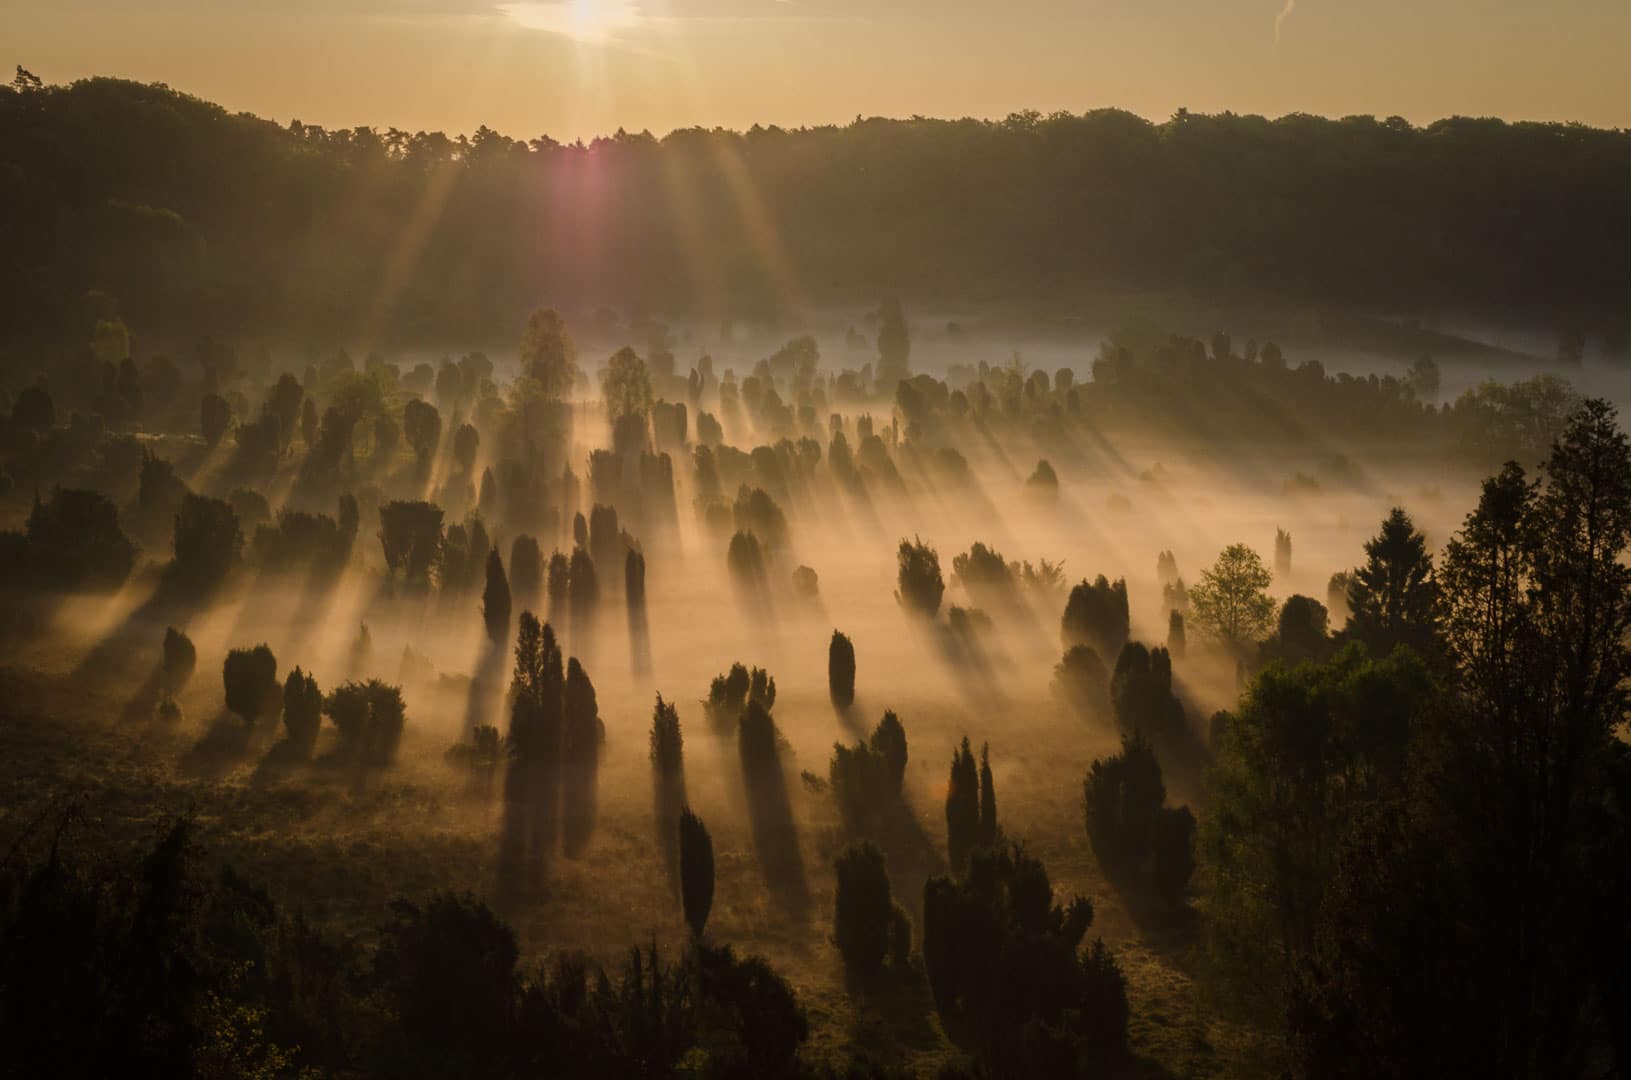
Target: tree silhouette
(1282, 553)
(962, 807)
(581, 735)
(1393, 599)
(250, 679)
(560, 586)
(667, 745)
(1303, 630)
(625, 387)
(1141, 691)
(411, 535)
(746, 560)
(180, 658)
(1009, 975)
(841, 670)
(696, 871)
(1097, 615)
(208, 542)
(863, 910)
(370, 717)
(986, 833)
(1177, 641)
(920, 583)
(1081, 681)
(422, 424)
(547, 353)
(495, 600)
(1137, 840)
(585, 592)
(74, 541)
(889, 744)
(302, 711)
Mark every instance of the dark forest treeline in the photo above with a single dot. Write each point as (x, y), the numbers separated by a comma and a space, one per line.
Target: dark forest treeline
(197, 221)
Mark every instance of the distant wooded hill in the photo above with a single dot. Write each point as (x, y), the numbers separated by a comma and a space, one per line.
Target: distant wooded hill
(193, 220)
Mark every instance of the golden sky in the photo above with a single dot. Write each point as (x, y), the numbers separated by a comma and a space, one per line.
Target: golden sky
(576, 68)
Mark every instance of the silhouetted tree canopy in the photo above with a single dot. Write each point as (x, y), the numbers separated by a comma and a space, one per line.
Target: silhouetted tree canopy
(302, 710)
(250, 678)
(1010, 978)
(1096, 615)
(920, 583)
(1411, 208)
(208, 542)
(74, 541)
(1393, 599)
(370, 717)
(863, 910)
(841, 670)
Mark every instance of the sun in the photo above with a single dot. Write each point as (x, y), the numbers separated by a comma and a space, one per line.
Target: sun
(591, 22)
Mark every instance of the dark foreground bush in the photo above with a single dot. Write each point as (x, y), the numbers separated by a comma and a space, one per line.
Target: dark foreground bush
(151, 965)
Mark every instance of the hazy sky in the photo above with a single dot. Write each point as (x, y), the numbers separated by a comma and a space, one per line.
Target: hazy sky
(579, 67)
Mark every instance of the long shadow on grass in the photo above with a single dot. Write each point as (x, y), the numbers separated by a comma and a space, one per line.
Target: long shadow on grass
(775, 833)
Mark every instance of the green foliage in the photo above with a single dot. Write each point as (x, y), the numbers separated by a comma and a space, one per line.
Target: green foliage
(1306, 748)
(1231, 601)
(548, 355)
(625, 387)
